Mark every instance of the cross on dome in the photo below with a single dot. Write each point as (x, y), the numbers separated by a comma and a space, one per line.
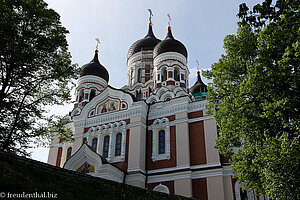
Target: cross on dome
(169, 16)
(151, 14)
(98, 42)
(198, 72)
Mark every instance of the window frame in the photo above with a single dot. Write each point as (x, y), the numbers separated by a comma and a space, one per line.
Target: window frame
(157, 126)
(161, 141)
(111, 130)
(118, 146)
(69, 154)
(94, 148)
(104, 146)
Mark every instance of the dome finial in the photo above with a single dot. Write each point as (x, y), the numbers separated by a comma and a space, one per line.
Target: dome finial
(151, 14)
(169, 16)
(98, 42)
(198, 71)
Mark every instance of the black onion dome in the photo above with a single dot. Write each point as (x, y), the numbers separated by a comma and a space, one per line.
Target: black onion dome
(147, 43)
(199, 86)
(169, 44)
(95, 68)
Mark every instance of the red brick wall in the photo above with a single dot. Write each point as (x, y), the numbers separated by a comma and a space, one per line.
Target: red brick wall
(199, 188)
(182, 76)
(162, 163)
(170, 82)
(58, 159)
(182, 85)
(195, 114)
(197, 143)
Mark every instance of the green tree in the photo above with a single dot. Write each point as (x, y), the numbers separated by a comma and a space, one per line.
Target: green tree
(35, 69)
(254, 95)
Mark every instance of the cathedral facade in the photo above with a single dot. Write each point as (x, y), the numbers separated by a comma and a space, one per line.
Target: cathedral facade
(154, 132)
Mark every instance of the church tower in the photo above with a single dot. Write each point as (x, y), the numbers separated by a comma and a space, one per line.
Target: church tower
(170, 63)
(140, 65)
(92, 81)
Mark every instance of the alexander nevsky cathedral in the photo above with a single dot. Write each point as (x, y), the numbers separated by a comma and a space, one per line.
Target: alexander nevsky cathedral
(152, 133)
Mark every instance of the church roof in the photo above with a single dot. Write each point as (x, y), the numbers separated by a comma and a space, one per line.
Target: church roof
(169, 44)
(199, 86)
(95, 68)
(146, 43)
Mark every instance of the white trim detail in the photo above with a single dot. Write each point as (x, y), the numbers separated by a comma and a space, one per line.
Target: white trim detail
(136, 170)
(84, 154)
(160, 124)
(111, 129)
(186, 174)
(237, 187)
(162, 188)
(227, 170)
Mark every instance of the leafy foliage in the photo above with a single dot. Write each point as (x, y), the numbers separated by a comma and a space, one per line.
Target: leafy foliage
(35, 70)
(57, 125)
(255, 97)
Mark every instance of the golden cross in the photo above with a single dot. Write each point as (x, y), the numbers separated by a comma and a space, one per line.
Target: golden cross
(169, 19)
(151, 14)
(98, 42)
(197, 65)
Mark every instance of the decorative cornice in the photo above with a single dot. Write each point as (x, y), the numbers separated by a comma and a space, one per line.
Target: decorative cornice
(172, 56)
(139, 56)
(113, 117)
(91, 79)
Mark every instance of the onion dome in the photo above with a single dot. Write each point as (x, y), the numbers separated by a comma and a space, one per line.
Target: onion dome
(95, 68)
(147, 43)
(169, 44)
(199, 86)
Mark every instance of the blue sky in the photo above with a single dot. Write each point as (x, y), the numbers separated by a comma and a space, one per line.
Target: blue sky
(200, 25)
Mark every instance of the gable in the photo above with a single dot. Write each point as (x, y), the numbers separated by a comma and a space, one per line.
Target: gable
(110, 100)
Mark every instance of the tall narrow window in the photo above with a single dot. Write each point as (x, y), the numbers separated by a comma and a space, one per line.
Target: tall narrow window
(80, 96)
(176, 74)
(138, 94)
(118, 144)
(105, 146)
(161, 142)
(139, 75)
(92, 94)
(164, 74)
(69, 152)
(94, 144)
(147, 73)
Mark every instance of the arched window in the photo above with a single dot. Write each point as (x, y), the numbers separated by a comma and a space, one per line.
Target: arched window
(94, 144)
(69, 152)
(80, 95)
(139, 75)
(164, 74)
(105, 146)
(161, 142)
(138, 94)
(176, 74)
(118, 144)
(92, 94)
